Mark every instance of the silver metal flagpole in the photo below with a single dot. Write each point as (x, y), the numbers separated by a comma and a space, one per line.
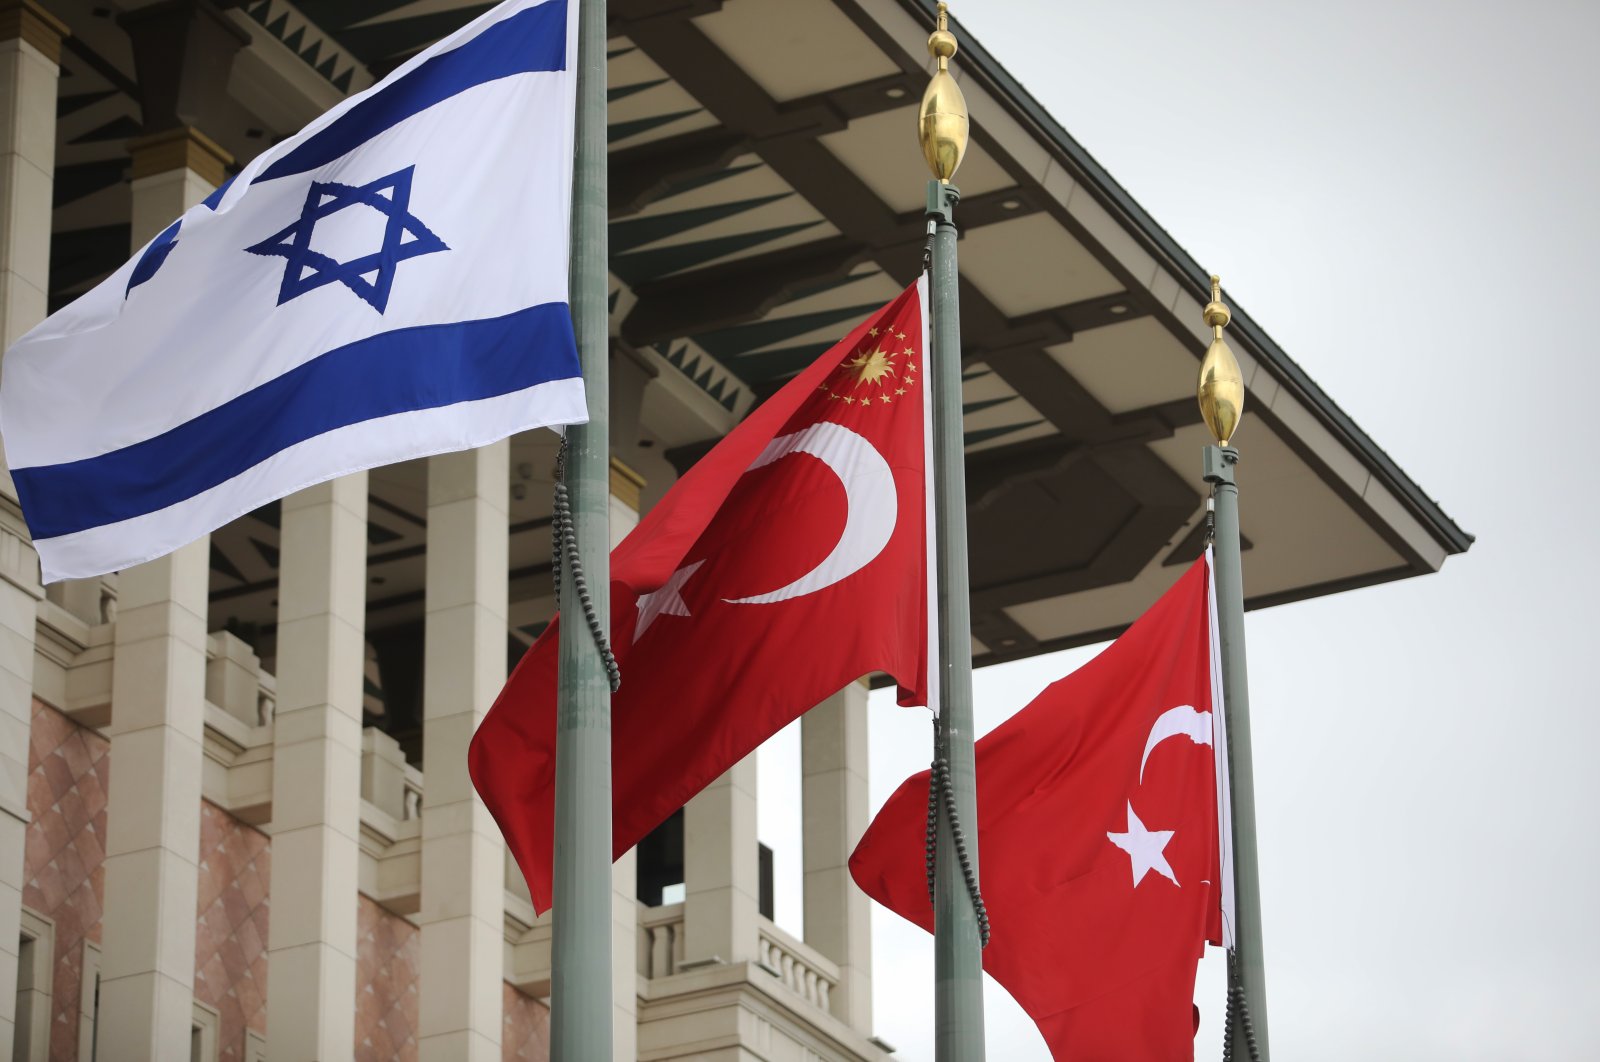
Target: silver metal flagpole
(1221, 395)
(960, 927)
(580, 959)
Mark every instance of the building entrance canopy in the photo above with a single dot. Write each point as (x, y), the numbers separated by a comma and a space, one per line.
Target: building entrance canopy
(766, 192)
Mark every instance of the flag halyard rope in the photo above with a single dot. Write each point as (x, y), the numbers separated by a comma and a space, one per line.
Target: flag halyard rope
(1237, 1006)
(942, 793)
(564, 549)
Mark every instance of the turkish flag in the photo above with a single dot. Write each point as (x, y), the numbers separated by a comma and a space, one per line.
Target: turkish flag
(1097, 835)
(788, 562)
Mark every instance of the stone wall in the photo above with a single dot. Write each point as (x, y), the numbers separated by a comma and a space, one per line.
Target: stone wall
(68, 778)
(388, 965)
(525, 1028)
(230, 950)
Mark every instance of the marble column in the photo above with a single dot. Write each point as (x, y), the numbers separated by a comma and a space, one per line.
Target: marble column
(464, 666)
(30, 49)
(157, 720)
(721, 862)
(30, 45)
(172, 171)
(316, 771)
(19, 604)
(153, 807)
(722, 869)
(834, 815)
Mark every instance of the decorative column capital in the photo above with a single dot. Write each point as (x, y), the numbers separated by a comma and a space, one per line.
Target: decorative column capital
(25, 20)
(182, 148)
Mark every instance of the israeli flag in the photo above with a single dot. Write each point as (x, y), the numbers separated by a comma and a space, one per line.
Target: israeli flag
(388, 284)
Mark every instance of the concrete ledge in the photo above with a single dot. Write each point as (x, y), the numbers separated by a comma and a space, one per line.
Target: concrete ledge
(733, 1006)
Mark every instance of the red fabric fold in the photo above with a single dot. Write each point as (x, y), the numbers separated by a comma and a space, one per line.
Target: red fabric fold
(1102, 962)
(833, 524)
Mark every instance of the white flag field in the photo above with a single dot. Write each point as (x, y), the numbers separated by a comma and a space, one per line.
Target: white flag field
(390, 283)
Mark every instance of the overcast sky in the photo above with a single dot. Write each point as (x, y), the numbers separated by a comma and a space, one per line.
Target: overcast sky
(1403, 195)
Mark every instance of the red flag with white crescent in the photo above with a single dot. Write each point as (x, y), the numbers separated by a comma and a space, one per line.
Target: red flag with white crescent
(788, 562)
(1098, 839)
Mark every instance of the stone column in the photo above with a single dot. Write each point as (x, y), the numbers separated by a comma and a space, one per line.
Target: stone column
(30, 45)
(721, 868)
(721, 864)
(172, 171)
(19, 603)
(30, 48)
(316, 771)
(153, 808)
(157, 720)
(464, 666)
(626, 485)
(834, 815)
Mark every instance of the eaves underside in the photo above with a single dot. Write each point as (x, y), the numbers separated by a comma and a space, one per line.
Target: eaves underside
(978, 62)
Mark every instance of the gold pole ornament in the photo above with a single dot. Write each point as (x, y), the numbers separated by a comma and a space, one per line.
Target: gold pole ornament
(1221, 391)
(942, 122)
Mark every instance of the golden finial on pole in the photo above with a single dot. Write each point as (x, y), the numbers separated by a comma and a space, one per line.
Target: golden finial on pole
(1221, 390)
(942, 122)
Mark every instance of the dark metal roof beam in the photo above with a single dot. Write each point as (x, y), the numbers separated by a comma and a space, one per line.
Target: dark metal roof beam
(1062, 400)
(1158, 503)
(183, 54)
(1003, 634)
(623, 16)
(742, 106)
(642, 174)
(731, 293)
(1058, 324)
(991, 471)
(703, 300)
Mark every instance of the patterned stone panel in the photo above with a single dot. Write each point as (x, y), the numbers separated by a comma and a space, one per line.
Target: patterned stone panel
(68, 777)
(230, 951)
(524, 1028)
(388, 967)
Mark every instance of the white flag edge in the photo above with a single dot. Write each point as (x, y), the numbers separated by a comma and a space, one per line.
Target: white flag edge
(930, 527)
(1219, 748)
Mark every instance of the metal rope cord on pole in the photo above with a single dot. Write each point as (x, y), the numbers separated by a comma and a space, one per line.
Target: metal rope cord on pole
(941, 794)
(1237, 1004)
(564, 551)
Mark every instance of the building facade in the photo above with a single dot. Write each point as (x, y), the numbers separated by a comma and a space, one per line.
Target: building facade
(235, 817)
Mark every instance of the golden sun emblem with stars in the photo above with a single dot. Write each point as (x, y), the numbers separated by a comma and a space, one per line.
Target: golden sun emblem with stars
(883, 368)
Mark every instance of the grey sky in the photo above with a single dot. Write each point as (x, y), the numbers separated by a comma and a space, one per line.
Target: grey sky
(1402, 194)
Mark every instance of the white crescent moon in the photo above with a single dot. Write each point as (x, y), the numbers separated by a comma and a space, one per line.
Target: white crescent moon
(871, 504)
(1185, 720)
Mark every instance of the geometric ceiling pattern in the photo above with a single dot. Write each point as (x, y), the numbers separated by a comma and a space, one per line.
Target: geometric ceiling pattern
(766, 191)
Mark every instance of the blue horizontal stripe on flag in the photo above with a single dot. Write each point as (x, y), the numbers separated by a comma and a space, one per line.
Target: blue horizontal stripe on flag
(394, 372)
(528, 42)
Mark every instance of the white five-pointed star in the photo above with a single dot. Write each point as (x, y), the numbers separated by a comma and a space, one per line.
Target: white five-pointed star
(668, 601)
(1144, 848)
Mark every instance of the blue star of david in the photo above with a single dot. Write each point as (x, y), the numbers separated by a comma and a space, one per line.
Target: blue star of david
(405, 236)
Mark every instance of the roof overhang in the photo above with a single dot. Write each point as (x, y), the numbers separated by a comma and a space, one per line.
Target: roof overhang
(766, 192)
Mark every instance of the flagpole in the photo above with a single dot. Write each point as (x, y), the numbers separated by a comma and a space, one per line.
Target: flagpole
(1221, 395)
(959, 925)
(580, 951)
